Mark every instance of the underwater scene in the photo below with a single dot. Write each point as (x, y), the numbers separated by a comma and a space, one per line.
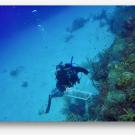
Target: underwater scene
(67, 63)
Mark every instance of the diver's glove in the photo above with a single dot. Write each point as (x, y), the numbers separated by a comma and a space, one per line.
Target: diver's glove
(49, 104)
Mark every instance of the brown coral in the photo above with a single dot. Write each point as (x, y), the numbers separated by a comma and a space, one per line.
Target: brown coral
(128, 116)
(130, 60)
(125, 80)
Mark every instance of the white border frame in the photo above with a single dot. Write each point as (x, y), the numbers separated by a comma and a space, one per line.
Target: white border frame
(67, 2)
(89, 128)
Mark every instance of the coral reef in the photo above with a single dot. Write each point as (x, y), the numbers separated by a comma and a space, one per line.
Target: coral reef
(77, 24)
(121, 20)
(113, 74)
(102, 18)
(129, 116)
(76, 109)
(15, 72)
(24, 84)
(114, 97)
(68, 38)
(126, 79)
(119, 68)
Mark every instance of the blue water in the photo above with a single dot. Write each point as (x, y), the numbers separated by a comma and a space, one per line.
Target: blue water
(32, 40)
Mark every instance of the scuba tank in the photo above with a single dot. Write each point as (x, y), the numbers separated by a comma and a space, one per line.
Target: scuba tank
(50, 96)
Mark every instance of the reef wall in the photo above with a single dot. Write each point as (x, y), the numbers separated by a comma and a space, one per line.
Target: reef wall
(113, 75)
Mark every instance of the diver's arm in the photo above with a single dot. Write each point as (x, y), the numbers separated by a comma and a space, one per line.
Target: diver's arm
(80, 69)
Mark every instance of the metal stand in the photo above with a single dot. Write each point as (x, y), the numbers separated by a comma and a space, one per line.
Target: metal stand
(74, 93)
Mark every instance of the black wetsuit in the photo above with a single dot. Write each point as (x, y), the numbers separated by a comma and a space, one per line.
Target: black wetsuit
(66, 76)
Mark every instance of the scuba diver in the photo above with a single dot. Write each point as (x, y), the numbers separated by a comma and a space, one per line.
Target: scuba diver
(66, 76)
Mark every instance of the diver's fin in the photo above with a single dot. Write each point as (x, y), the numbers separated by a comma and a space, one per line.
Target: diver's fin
(49, 104)
(71, 62)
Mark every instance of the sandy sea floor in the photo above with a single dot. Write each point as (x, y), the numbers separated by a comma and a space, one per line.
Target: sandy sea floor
(35, 52)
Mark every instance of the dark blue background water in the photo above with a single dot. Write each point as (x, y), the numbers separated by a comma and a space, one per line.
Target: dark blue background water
(32, 43)
(16, 18)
